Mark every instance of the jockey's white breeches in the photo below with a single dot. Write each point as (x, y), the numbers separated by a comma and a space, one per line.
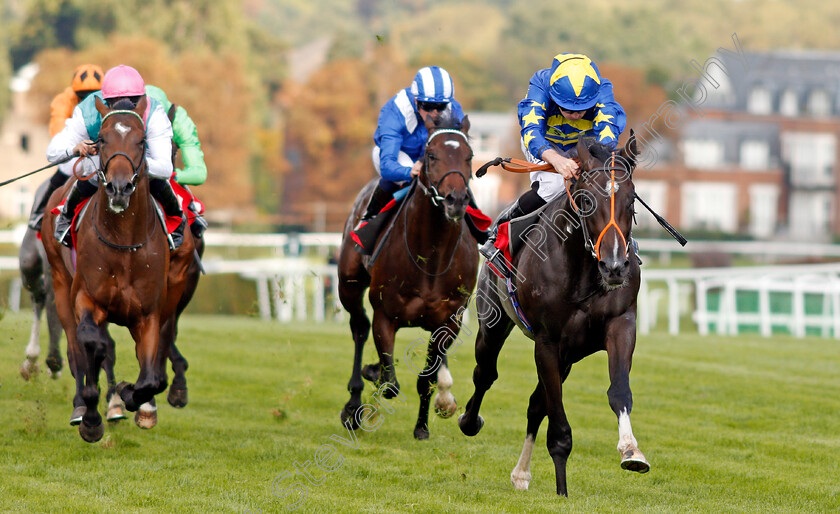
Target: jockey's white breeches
(551, 185)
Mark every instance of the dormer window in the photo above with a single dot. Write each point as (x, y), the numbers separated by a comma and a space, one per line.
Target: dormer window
(755, 155)
(819, 103)
(760, 101)
(703, 153)
(789, 103)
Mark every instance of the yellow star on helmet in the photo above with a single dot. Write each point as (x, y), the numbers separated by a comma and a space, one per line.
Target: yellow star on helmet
(532, 118)
(601, 117)
(528, 137)
(607, 133)
(576, 67)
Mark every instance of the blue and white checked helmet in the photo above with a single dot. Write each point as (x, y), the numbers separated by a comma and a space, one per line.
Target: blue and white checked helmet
(433, 84)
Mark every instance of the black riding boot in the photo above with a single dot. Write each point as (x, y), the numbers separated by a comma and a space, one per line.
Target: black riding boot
(365, 231)
(529, 202)
(79, 191)
(37, 217)
(163, 193)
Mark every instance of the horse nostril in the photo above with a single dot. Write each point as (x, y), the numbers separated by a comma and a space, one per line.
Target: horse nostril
(129, 188)
(602, 267)
(109, 188)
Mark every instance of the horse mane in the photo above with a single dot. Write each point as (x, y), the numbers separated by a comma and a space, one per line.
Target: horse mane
(124, 104)
(448, 120)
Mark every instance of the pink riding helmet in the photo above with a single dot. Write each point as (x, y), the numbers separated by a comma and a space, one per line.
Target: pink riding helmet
(122, 80)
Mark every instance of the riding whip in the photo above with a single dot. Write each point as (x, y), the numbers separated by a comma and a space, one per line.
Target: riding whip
(60, 161)
(667, 226)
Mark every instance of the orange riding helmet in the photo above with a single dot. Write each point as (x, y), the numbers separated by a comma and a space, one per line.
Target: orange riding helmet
(87, 77)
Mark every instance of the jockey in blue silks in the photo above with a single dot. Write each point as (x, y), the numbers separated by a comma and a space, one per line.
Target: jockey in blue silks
(401, 134)
(565, 102)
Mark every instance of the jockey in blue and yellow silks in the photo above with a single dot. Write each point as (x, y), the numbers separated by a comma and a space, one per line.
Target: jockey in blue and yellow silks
(565, 102)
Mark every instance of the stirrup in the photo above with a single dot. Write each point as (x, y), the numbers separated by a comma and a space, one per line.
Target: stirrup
(499, 263)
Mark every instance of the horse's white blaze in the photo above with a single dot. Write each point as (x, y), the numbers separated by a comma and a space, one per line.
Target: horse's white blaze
(33, 349)
(615, 250)
(520, 477)
(453, 144)
(148, 407)
(122, 129)
(625, 432)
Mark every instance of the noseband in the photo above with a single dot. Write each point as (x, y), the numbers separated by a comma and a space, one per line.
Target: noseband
(137, 168)
(595, 249)
(432, 190)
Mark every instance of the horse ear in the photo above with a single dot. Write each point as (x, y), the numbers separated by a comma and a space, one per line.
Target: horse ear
(140, 108)
(586, 160)
(100, 106)
(630, 150)
(465, 124)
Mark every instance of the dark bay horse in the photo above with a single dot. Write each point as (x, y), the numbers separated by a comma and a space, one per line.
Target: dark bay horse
(124, 273)
(422, 277)
(576, 281)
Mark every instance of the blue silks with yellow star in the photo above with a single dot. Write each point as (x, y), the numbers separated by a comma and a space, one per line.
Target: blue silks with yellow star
(543, 124)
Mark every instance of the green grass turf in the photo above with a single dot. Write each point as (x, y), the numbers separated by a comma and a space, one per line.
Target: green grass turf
(728, 424)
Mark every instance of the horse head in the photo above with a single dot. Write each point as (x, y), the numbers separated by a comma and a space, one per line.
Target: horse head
(604, 198)
(122, 149)
(447, 165)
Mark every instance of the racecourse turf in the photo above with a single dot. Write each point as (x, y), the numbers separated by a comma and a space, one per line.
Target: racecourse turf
(729, 424)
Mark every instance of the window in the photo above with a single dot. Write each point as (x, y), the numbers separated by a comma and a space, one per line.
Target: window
(764, 209)
(755, 155)
(760, 101)
(709, 205)
(819, 103)
(703, 153)
(811, 157)
(789, 103)
(811, 215)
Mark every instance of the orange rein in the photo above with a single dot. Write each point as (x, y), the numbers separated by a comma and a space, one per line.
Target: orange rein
(612, 222)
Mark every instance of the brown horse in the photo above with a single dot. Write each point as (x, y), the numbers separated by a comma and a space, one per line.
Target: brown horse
(422, 277)
(124, 273)
(583, 302)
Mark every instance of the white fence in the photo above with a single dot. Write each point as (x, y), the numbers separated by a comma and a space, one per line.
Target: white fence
(791, 286)
(295, 288)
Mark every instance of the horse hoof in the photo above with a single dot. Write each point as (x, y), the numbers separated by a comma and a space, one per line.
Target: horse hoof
(391, 392)
(446, 411)
(177, 398)
(55, 375)
(115, 414)
(520, 479)
(91, 434)
(370, 372)
(76, 417)
(145, 419)
(633, 460)
(421, 433)
(348, 413)
(28, 369)
(470, 429)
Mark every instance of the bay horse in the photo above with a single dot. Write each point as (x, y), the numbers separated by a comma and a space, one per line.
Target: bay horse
(123, 272)
(421, 277)
(582, 302)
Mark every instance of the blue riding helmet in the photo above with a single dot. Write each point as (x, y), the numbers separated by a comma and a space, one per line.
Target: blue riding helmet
(575, 82)
(433, 84)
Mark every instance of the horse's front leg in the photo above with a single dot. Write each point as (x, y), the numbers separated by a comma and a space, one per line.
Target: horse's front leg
(551, 370)
(436, 371)
(54, 361)
(494, 328)
(150, 381)
(93, 338)
(384, 332)
(116, 407)
(31, 274)
(620, 343)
